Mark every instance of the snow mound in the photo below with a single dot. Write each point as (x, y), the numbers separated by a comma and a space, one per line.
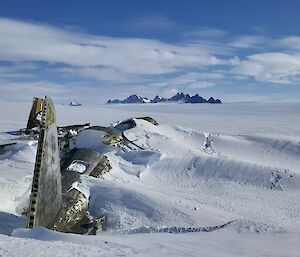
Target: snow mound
(16, 166)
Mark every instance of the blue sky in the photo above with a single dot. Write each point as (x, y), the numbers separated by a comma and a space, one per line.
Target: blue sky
(93, 50)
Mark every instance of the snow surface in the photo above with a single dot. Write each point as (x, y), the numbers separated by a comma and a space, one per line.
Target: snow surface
(202, 167)
(77, 167)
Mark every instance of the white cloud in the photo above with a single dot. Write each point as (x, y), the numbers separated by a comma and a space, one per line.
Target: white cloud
(23, 41)
(274, 67)
(201, 84)
(249, 41)
(62, 93)
(290, 42)
(26, 90)
(99, 73)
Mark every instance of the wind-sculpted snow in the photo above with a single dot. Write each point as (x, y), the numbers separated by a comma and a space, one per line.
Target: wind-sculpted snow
(236, 158)
(219, 243)
(16, 166)
(221, 185)
(243, 188)
(176, 230)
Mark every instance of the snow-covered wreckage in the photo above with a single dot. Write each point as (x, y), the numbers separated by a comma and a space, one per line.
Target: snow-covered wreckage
(56, 201)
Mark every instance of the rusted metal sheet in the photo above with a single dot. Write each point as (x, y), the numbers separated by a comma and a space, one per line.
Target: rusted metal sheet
(36, 109)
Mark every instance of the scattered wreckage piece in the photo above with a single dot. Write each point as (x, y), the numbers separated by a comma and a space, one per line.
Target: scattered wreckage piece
(149, 119)
(114, 134)
(112, 137)
(66, 133)
(75, 128)
(85, 161)
(35, 114)
(31, 132)
(4, 147)
(72, 214)
(130, 123)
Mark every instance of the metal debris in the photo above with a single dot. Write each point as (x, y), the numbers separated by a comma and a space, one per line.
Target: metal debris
(55, 202)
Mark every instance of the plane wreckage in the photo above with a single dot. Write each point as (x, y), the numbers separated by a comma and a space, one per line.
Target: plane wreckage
(55, 203)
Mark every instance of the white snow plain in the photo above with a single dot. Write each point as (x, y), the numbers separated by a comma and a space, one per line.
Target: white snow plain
(202, 167)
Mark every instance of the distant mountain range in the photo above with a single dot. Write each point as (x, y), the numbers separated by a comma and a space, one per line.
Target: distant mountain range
(179, 97)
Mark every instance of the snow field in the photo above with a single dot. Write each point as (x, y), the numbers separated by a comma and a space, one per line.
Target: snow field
(209, 174)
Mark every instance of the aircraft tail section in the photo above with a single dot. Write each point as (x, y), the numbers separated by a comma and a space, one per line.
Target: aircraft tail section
(46, 191)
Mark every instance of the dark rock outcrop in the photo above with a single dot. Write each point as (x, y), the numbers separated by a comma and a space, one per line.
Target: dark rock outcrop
(197, 99)
(132, 99)
(211, 100)
(158, 99)
(179, 97)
